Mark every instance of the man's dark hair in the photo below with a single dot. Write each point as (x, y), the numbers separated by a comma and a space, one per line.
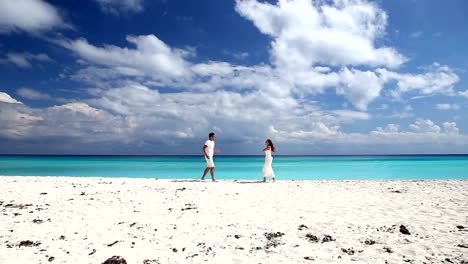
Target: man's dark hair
(211, 134)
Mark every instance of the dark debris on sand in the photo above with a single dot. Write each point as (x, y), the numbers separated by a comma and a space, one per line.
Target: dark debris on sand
(388, 250)
(189, 207)
(205, 249)
(396, 191)
(350, 251)
(312, 238)
(115, 260)
(386, 229)
(113, 243)
(19, 206)
(28, 243)
(255, 248)
(273, 239)
(327, 238)
(151, 261)
(404, 230)
(273, 235)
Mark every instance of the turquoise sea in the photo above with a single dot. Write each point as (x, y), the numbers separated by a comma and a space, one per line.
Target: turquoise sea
(242, 167)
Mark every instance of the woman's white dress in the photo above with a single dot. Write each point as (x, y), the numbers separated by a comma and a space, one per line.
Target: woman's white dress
(267, 169)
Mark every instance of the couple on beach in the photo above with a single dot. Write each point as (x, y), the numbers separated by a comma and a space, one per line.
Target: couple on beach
(209, 150)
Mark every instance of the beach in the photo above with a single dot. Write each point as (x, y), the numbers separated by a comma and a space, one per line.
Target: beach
(89, 220)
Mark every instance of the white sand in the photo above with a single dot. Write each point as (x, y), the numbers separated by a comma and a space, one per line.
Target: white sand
(225, 222)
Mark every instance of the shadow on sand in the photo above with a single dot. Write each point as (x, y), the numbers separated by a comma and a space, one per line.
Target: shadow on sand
(209, 180)
(244, 182)
(186, 180)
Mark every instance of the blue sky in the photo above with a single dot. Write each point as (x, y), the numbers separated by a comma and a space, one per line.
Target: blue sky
(155, 77)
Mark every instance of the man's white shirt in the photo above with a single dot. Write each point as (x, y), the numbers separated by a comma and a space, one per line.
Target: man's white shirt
(210, 147)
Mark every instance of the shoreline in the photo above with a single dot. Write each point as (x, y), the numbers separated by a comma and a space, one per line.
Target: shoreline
(90, 219)
(237, 155)
(208, 179)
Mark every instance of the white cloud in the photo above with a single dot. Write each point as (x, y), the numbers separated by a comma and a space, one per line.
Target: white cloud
(447, 106)
(406, 112)
(359, 87)
(303, 56)
(213, 68)
(156, 64)
(438, 80)
(244, 117)
(83, 108)
(33, 16)
(390, 128)
(424, 126)
(421, 132)
(69, 121)
(117, 7)
(348, 115)
(463, 93)
(340, 33)
(450, 127)
(138, 116)
(151, 57)
(6, 98)
(31, 94)
(401, 115)
(317, 132)
(247, 102)
(17, 120)
(240, 55)
(316, 45)
(24, 60)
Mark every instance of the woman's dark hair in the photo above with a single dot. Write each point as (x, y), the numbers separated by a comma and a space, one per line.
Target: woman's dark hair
(211, 134)
(270, 143)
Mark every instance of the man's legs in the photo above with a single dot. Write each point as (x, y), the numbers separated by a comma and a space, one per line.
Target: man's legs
(205, 172)
(212, 174)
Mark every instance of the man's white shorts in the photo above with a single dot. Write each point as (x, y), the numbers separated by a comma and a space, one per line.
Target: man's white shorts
(209, 162)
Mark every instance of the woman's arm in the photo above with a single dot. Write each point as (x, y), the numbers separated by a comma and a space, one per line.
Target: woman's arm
(267, 148)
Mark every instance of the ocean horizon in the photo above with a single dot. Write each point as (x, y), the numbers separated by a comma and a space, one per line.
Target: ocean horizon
(242, 167)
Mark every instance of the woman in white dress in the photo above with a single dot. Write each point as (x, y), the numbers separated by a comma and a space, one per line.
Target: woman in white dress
(267, 168)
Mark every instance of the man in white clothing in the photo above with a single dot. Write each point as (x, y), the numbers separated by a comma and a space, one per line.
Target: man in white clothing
(209, 150)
